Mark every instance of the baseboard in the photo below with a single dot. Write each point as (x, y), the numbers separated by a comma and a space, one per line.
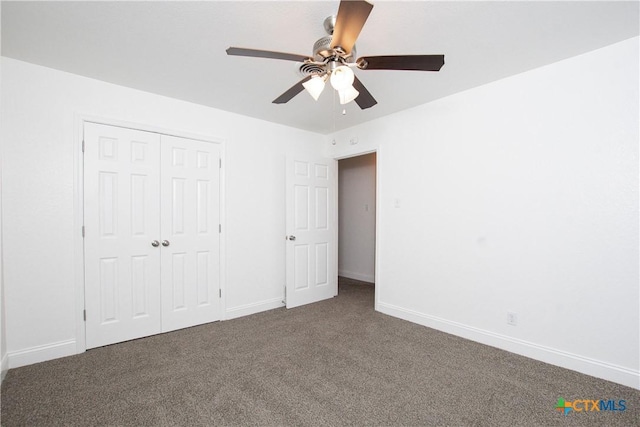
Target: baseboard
(4, 367)
(357, 276)
(585, 365)
(253, 308)
(41, 353)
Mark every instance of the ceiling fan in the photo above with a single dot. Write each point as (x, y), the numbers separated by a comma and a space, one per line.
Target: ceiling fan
(334, 56)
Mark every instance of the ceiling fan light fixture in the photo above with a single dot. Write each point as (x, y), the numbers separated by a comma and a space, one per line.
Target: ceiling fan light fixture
(334, 56)
(347, 95)
(342, 77)
(315, 86)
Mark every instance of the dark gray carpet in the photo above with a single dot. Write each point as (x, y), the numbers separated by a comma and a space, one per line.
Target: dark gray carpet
(336, 362)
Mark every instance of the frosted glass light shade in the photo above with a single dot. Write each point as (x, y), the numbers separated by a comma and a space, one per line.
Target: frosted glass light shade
(314, 86)
(347, 95)
(342, 77)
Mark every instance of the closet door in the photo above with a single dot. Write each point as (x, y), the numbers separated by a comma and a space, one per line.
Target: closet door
(121, 205)
(190, 217)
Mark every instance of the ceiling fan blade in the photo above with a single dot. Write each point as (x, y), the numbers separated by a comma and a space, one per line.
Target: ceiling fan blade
(239, 51)
(364, 100)
(291, 92)
(402, 62)
(352, 14)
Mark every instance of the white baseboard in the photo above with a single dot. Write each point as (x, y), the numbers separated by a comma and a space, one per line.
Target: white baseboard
(357, 276)
(585, 365)
(41, 353)
(256, 307)
(4, 367)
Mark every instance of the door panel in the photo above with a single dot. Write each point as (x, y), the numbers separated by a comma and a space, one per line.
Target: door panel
(121, 204)
(142, 187)
(190, 220)
(311, 223)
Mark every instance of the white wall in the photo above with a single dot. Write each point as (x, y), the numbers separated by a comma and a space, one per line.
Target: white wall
(522, 196)
(357, 217)
(39, 108)
(4, 360)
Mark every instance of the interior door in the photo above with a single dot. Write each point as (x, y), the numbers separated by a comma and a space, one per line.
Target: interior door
(122, 255)
(190, 232)
(311, 222)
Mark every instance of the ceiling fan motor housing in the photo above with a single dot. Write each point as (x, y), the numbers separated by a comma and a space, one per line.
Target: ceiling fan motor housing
(324, 53)
(322, 50)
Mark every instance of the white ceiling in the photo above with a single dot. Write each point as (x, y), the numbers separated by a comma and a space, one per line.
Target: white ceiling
(177, 48)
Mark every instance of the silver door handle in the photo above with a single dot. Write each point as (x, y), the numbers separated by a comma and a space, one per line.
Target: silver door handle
(155, 243)
(292, 237)
(165, 243)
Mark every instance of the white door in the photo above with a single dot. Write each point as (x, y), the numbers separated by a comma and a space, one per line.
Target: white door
(311, 223)
(190, 234)
(121, 205)
(152, 242)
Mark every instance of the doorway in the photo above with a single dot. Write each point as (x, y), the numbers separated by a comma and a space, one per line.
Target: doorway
(357, 218)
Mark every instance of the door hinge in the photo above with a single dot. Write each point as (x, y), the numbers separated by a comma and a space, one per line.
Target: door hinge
(83, 145)
(220, 293)
(83, 231)
(220, 162)
(219, 228)
(84, 315)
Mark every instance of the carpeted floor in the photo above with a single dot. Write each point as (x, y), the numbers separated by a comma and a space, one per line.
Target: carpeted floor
(336, 362)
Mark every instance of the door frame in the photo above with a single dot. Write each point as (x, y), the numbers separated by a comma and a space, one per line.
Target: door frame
(376, 271)
(78, 210)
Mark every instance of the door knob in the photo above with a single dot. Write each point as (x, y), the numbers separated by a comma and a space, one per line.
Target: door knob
(292, 237)
(165, 243)
(155, 243)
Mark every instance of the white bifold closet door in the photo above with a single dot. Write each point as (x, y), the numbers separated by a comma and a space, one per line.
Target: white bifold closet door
(152, 243)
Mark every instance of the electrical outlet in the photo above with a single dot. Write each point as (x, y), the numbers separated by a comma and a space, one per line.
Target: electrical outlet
(512, 318)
